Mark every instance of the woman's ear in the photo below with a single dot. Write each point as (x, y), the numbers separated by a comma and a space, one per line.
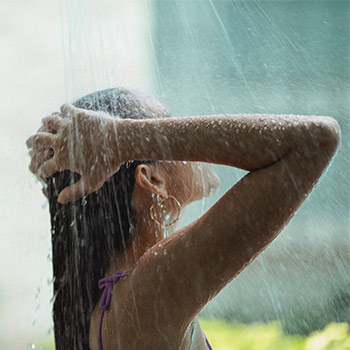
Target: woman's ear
(150, 178)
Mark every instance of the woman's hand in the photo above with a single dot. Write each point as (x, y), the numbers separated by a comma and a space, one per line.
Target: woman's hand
(78, 140)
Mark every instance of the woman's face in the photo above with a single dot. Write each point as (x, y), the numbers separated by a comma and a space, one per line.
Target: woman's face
(191, 181)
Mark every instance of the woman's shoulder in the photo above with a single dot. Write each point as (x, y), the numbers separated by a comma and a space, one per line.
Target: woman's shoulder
(128, 324)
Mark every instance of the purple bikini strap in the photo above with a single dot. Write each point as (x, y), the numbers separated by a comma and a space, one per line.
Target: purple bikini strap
(106, 284)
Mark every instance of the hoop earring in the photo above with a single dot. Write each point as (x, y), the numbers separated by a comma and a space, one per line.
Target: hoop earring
(151, 213)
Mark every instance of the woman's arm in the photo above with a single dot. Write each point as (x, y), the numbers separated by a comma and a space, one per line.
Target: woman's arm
(285, 156)
(249, 142)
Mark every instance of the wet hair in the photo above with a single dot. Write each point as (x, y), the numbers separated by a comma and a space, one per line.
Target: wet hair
(88, 233)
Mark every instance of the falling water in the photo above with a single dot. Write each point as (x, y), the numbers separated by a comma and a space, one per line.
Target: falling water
(228, 56)
(206, 57)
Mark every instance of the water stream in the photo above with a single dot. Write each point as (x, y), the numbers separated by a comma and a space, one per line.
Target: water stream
(206, 57)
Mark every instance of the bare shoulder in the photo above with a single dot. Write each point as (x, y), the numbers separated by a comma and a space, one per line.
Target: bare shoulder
(177, 277)
(133, 324)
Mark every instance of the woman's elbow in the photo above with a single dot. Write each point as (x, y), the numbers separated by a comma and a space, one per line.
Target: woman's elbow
(330, 137)
(323, 138)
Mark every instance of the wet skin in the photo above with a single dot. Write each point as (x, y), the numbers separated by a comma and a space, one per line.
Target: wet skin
(170, 279)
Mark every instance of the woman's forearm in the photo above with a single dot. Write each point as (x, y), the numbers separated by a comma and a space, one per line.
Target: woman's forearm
(246, 141)
(99, 144)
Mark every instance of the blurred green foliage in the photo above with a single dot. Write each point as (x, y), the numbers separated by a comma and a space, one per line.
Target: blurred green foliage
(224, 335)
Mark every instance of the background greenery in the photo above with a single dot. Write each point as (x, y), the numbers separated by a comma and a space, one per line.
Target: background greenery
(224, 335)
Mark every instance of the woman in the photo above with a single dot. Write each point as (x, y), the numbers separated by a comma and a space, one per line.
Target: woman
(168, 280)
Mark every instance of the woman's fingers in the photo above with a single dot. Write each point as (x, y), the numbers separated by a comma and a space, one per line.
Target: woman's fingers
(41, 147)
(72, 193)
(78, 190)
(45, 144)
(52, 123)
(38, 157)
(41, 140)
(48, 169)
(69, 110)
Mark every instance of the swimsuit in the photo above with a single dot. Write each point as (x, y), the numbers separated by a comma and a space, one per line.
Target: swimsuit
(107, 284)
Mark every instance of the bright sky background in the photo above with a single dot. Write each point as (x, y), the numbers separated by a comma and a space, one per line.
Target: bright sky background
(36, 76)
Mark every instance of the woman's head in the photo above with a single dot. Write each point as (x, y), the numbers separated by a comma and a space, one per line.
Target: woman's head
(109, 208)
(87, 233)
(188, 181)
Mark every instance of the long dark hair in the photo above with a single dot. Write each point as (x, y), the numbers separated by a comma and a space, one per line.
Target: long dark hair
(87, 234)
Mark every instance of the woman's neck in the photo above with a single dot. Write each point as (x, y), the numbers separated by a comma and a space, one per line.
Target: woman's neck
(142, 239)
